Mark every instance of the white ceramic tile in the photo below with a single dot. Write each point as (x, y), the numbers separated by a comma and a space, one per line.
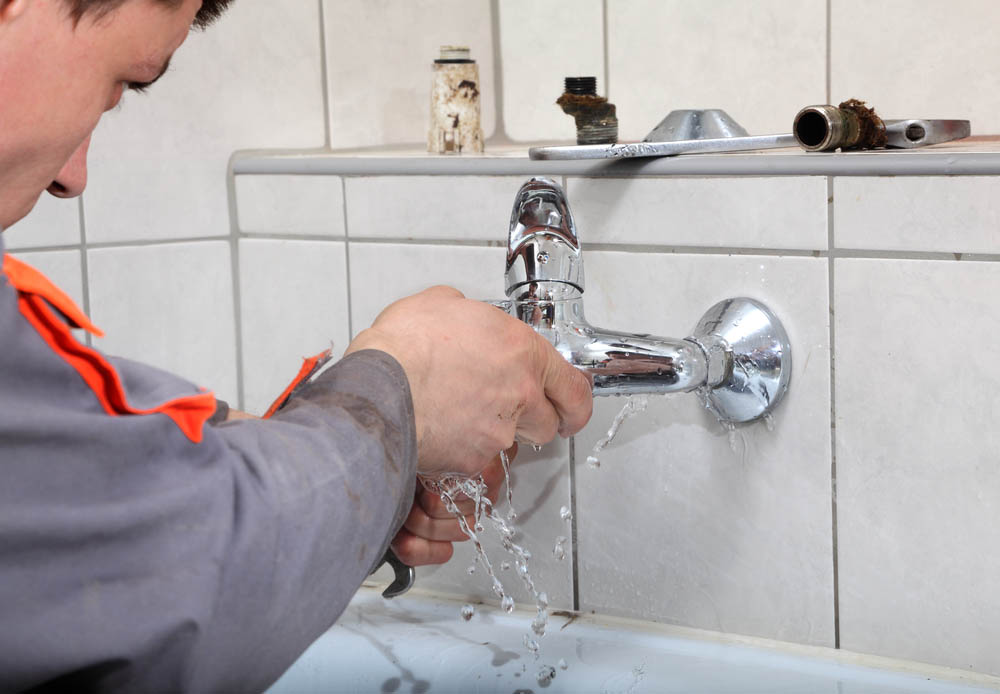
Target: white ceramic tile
(542, 43)
(382, 273)
(743, 212)
(158, 164)
(677, 526)
(917, 476)
(923, 59)
(759, 61)
(53, 222)
(170, 306)
(431, 207)
(953, 214)
(293, 297)
(62, 267)
(290, 205)
(379, 56)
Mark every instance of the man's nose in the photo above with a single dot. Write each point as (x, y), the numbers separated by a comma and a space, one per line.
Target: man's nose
(72, 179)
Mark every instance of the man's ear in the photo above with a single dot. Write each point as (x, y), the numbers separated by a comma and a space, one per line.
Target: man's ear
(12, 9)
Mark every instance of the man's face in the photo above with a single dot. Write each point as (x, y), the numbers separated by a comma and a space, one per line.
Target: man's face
(56, 80)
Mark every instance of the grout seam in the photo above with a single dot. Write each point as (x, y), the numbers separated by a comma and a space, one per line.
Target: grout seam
(604, 45)
(325, 87)
(84, 267)
(833, 414)
(499, 136)
(347, 262)
(843, 253)
(234, 271)
(574, 544)
(829, 50)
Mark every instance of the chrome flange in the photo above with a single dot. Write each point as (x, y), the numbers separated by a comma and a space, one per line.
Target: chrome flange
(750, 359)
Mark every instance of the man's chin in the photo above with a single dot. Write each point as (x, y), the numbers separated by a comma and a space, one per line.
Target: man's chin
(11, 215)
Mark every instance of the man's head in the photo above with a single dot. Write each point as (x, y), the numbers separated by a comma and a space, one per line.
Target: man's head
(63, 63)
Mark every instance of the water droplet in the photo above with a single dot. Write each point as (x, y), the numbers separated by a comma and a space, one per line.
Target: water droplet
(546, 674)
(538, 624)
(565, 513)
(536, 447)
(530, 644)
(467, 612)
(507, 604)
(769, 421)
(543, 257)
(479, 527)
(543, 599)
(505, 566)
(593, 462)
(559, 550)
(471, 570)
(562, 664)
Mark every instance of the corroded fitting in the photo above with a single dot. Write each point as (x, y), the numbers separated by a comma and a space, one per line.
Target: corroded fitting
(851, 125)
(596, 121)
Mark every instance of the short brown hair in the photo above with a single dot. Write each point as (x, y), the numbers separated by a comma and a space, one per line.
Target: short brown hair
(209, 12)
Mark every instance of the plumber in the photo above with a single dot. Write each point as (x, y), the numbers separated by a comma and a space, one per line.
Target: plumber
(151, 539)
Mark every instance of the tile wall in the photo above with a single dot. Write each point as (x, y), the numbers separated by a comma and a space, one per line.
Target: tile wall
(867, 519)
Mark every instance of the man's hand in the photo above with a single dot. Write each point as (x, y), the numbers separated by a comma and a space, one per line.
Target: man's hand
(478, 378)
(429, 531)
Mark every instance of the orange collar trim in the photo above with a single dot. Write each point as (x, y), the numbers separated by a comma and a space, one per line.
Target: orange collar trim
(35, 294)
(28, 280)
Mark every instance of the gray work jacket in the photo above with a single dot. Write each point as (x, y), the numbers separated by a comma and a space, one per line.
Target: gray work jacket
(144, 548)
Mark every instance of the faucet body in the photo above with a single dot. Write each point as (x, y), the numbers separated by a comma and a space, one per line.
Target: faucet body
(738, 356)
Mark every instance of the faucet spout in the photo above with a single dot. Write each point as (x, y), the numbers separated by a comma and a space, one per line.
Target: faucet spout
(738, 356)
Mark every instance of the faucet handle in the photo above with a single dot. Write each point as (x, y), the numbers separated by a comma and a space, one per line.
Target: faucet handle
(542, 245)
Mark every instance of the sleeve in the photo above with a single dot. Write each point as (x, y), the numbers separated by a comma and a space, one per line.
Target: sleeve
(133, 559)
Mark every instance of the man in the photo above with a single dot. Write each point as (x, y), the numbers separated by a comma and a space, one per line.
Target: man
(145, 543)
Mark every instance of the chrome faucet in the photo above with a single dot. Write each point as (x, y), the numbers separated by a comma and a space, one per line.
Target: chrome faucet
(738, 357)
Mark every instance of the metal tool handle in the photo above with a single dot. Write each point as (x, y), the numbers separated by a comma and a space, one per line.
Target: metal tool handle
(405, 575)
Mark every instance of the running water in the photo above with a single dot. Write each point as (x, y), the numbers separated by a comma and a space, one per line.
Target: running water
(452, 487)
(633, 405)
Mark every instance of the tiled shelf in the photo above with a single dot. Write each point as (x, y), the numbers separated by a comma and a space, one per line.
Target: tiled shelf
(971, 157)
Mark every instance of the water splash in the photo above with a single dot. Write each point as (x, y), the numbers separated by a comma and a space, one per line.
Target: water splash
(467, 612)
(634, 405)
(769, 421)
(450, 488)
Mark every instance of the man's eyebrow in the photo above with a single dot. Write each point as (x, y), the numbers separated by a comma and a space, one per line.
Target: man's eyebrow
(143, 86)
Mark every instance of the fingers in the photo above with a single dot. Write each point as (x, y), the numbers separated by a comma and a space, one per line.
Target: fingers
(419, 551)
(568, 389)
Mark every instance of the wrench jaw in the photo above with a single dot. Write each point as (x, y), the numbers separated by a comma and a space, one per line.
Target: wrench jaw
(918, 132)
(404, 575)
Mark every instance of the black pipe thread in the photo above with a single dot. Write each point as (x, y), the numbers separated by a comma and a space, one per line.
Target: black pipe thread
(581, 85)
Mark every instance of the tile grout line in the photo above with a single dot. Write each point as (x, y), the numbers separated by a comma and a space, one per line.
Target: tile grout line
(84, 267)
(324, 87)
(853, 253)
(234, 270)
(604, 37)
(829, 50)
(574, 544)
(347, 262)
(499, 135)
(833, 413)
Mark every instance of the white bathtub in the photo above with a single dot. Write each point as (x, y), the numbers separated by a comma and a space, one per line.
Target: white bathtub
(418, 643)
